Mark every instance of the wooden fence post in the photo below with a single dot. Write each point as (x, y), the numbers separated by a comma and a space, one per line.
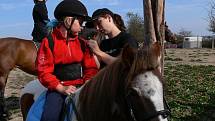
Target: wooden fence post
(213, 43)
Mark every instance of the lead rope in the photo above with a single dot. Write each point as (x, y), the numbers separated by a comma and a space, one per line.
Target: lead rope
(168, 110)
(78, 116)
(130, 107)
(66, 109)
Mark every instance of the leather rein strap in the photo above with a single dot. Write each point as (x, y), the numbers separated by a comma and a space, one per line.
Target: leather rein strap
(66, 109)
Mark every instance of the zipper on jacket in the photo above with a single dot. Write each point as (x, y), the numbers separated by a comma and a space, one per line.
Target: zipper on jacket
(69, 50)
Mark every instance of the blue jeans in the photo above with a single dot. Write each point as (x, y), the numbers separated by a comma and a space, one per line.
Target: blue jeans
(53, 106)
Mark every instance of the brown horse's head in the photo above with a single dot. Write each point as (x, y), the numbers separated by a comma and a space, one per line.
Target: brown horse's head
(132, 82)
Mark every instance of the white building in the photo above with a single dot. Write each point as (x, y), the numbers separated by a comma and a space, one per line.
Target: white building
(192, 42)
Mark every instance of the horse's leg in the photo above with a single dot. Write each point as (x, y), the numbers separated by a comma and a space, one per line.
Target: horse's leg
(4, 114)
(4, 72)
(2, 102)
(26, 100)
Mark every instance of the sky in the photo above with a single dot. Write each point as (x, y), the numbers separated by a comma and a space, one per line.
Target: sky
(191, 15)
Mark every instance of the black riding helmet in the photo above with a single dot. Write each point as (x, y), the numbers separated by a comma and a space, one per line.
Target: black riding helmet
(37, 1)
(73, 8)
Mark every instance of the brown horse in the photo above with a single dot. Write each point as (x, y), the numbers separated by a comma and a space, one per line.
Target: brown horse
(14, 52)
(130, 89)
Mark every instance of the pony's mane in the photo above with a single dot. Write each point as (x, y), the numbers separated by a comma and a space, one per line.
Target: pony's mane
(146, 59)
(99, 93)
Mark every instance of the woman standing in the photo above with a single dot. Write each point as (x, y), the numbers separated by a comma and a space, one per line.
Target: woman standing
(113, 26)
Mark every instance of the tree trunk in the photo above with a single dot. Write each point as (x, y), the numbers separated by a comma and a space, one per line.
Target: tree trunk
(154, 24)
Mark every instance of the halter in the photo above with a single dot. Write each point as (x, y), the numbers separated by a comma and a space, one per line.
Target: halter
(164, 113)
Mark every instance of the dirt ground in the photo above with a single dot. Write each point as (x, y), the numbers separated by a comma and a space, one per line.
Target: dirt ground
(17, 78)
(190, 56)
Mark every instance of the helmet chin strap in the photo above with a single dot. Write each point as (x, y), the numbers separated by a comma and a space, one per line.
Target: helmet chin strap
(69, 29)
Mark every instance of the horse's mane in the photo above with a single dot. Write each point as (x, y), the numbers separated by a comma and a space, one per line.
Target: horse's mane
(146, 59)
(99, 93)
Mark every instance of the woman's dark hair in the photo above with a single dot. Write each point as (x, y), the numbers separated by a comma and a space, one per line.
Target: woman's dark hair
(118, 21)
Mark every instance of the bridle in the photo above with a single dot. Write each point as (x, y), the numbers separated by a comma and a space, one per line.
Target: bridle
(164, 113)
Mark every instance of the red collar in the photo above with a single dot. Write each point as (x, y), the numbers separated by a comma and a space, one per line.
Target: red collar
(59, 35)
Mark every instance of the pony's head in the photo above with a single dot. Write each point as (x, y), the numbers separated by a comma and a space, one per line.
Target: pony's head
(130, 89)
(144, 90)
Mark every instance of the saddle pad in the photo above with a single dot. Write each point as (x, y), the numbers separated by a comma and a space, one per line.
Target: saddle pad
(36, 109)
(33, 87)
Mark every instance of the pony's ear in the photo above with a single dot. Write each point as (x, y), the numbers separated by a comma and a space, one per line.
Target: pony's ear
(128, 54)
(156, 47)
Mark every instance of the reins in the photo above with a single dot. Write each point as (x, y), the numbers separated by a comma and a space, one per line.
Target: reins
(66, 109)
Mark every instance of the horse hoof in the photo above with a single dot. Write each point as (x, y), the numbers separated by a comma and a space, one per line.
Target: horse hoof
(5, 116)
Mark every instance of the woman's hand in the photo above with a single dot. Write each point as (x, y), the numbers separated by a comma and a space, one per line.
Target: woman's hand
(94, 46)
(102, 56)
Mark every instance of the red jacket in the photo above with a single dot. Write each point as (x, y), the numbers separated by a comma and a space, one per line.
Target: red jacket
(63, 53)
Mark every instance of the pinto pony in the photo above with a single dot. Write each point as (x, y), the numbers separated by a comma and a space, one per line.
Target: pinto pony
(130, 89)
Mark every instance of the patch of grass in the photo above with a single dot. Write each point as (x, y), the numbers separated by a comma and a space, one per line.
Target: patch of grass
(192, 56)
(173, 59)
(195, 60)
(205, 54)
(167, 58)
(171, 53)
(190, 92)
